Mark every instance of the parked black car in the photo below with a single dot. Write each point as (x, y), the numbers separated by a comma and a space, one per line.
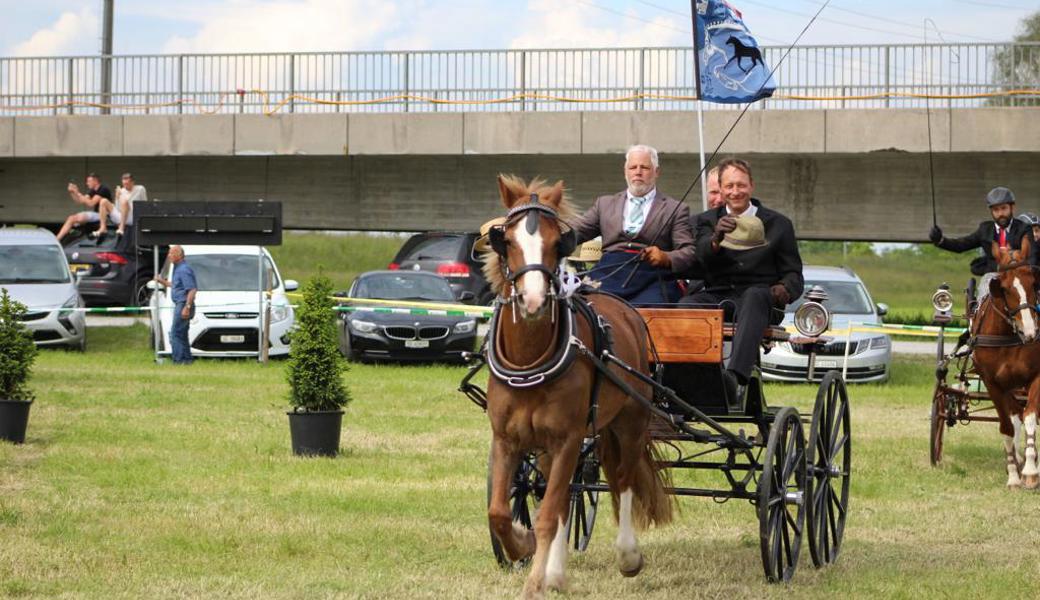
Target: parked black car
(372, 334)
(111, 271)
(450, 255)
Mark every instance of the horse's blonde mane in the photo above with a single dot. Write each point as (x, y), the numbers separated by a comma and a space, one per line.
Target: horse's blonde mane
(493, 270)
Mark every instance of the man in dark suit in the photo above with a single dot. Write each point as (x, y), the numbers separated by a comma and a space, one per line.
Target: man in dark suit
(751, 263)
(643, 231)
(1004, 229)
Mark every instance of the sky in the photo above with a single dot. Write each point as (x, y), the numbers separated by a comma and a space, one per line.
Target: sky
(73, 27)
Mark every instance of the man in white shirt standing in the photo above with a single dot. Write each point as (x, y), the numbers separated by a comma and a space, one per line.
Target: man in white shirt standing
(122, 210)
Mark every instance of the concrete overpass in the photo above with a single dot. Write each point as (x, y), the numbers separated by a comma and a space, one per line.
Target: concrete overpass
(840, 174)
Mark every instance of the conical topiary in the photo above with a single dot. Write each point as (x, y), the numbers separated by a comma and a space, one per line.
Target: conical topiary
(315, 367)
(17, 351)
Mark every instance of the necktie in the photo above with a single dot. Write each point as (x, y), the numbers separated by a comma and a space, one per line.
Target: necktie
(635, 218)
(1003, 237)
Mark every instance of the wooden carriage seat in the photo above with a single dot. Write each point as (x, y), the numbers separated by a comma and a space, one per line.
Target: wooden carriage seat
(694, 335)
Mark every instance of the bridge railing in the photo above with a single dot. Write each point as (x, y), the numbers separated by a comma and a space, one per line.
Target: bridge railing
(603, 79)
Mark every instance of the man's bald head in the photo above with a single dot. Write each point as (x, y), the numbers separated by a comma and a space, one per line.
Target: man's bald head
(176, 254)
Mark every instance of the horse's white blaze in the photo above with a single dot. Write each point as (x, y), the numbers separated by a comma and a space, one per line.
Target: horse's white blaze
(627, 549)
(1030, 426)
(1028, 323)
(554, 571)
(533, 288)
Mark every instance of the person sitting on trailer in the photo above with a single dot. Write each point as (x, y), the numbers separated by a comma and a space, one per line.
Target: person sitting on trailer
(641, 226)
(1003, 228)
(751, 264)
(96, 194)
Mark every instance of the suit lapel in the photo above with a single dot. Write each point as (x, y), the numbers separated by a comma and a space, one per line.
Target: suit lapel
(657, 208)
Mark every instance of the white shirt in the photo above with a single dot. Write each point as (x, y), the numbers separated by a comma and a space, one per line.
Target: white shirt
(646, 205)
(750, 211)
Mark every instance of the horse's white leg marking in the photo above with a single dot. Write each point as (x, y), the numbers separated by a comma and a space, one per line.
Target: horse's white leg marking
(1030, 426)
(533, 281)
(1014, 480)
(629, 558)
(1028, 323)
(1016, 423)
(555, 579)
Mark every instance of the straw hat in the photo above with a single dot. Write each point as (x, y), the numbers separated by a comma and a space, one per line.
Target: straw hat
(482, 244)
(749, 234)
(590, 251)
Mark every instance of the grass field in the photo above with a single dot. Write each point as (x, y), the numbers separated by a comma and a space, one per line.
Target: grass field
(178, 482)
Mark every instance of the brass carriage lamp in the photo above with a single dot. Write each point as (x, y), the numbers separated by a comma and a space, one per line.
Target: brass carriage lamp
(812, 318)
(942, 302)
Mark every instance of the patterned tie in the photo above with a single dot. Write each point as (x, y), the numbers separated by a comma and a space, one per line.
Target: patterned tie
(635, 218)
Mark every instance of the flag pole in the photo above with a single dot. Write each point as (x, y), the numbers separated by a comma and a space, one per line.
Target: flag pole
(700, 108)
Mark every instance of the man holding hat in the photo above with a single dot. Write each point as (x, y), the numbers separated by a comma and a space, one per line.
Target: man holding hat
(751, 262)
(1004, 229)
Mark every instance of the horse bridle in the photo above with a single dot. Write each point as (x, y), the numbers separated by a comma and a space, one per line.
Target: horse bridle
(532, 213)
(1009, 313)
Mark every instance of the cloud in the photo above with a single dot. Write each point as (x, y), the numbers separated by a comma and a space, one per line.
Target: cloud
(290, 26)
(72, 33)
(583, 25)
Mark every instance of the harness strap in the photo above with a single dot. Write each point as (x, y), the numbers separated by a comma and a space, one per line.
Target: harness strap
(995, 341)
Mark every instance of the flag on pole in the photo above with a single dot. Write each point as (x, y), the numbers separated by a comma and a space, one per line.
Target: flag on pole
(729, 64)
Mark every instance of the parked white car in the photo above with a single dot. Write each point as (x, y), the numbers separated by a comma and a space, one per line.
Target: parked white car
(227, 305)
(34, 271)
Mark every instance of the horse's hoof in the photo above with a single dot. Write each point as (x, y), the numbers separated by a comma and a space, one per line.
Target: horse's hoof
(556, 582)
(635, 570)
(1031, 482)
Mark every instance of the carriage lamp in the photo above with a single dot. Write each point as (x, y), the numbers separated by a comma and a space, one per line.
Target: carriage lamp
(942, 302)
(812, 318)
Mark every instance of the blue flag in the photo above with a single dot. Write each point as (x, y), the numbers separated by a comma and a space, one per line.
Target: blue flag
(730, 68)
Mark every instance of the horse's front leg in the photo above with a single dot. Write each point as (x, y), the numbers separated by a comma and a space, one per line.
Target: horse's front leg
(550, 557)
(516, 540)
(1007, 410)
(1030, 472)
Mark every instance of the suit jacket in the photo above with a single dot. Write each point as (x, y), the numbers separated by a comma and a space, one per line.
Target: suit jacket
(777, 262)
(983, 237)
(667, 227)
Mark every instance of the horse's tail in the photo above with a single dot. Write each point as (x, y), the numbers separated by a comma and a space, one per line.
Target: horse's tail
(651, 504)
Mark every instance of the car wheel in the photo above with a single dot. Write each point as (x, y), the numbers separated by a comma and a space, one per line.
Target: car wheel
(143, 295)
(345, 346)
(82, 345)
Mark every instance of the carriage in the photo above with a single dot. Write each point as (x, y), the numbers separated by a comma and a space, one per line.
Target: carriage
(959, 397)
(794, 469)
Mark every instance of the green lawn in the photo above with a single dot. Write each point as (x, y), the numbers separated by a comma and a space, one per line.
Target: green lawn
(163, 481)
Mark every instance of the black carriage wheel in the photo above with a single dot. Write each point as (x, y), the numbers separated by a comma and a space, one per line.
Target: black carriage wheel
(781, 496)
(584, 502)
(937, 424)
(524, 494)
(829, 456)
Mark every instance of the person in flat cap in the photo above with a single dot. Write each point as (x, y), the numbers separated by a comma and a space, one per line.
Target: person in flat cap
(751, 263)
(1004, 229)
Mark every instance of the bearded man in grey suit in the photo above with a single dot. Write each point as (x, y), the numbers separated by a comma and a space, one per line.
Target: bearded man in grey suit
(644, 231)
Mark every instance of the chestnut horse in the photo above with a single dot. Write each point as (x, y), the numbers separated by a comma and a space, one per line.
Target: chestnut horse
(551, 417)
(1007, 357)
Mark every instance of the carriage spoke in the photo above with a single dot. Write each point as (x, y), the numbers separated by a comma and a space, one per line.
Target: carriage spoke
(837, 502)
(787, 544)
(836, 449)
(791, 521)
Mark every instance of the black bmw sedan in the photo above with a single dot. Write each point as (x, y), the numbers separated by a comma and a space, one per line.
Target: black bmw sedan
(387, 334)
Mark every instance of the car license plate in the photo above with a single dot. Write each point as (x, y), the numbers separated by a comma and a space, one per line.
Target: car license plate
(75, 268)
(826, 364)
(416, 344)
(232, 339)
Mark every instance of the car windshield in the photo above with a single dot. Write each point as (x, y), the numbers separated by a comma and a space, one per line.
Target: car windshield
(844, 298)
(229, 272)
(33, 264)
(404, 286)
(435, 248)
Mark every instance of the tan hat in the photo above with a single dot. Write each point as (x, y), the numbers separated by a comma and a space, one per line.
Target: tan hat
(590, 251)
(482, 244)
(749, 234)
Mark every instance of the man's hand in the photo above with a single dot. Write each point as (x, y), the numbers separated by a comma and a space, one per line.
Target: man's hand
(935, 235)
(781, 297)
(657, 257)
(72, 187)
(186, 312)
(725, 225)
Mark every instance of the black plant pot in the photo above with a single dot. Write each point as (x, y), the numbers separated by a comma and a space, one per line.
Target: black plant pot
(14, 417)
(315, 433)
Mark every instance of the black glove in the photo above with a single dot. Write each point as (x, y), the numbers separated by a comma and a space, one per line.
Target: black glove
(781, 297)
(935, 235)
(725, 225)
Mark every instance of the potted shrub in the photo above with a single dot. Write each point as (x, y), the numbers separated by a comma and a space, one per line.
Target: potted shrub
(17, 353)
(315, 374)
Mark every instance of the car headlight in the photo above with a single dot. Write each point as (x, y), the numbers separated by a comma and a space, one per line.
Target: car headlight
(785, 346)
(280, 313)
(362, 326)
(465, 326)
(71, 303)
(812, 319)
(880, 342)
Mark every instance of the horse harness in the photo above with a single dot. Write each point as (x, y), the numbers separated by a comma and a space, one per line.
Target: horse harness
(982, 340)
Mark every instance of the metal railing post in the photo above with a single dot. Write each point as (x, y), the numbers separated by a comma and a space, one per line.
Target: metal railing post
(642, 61)
(292, 83)
(523, 80)
(180, 84)
(888, 76)
(405, 87)
(71, 83)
